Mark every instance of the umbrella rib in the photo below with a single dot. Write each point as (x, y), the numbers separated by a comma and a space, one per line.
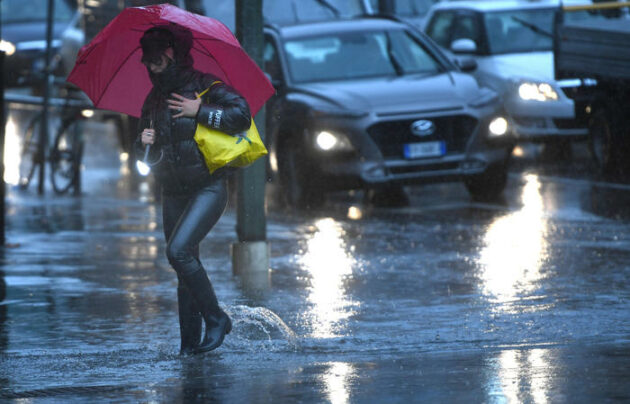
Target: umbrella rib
(206, 52)
(114, 75)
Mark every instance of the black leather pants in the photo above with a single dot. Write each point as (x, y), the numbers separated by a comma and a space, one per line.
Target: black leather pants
(187, 219)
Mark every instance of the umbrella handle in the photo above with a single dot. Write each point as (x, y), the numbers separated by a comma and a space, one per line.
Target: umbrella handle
(146, 161)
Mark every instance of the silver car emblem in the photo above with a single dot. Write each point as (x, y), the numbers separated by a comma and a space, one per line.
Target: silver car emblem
(423, 127)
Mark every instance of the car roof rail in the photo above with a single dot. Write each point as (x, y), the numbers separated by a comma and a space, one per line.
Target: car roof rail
(392, 17)
(385, 16)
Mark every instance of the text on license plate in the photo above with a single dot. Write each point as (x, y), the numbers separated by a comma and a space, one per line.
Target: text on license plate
(424, 149)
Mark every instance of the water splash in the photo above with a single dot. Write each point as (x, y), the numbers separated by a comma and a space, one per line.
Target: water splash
(259, 327)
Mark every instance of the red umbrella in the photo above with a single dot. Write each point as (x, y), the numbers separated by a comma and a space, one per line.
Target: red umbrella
(109, 71)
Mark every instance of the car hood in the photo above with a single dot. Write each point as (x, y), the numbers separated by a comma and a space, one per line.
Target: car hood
(533, 65)
(397, 95)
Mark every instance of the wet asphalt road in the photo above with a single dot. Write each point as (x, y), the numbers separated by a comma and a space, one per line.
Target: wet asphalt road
(447, 300)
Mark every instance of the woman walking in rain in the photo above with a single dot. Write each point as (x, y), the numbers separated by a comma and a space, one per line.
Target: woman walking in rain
(192, 198)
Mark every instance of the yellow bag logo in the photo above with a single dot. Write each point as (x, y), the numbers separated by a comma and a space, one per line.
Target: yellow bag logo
(220, 149)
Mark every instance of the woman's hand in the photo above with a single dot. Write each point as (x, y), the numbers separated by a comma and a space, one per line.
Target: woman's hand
(184, 106)
(148, 136)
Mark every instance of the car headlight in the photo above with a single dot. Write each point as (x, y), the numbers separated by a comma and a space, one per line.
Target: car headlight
(7, 47)
(498, 126)
(537, 92)
(328, 141)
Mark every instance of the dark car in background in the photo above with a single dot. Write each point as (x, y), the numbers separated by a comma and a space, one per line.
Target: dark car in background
(290, 11)
(24, 38)
(373, 104)
(412, 11)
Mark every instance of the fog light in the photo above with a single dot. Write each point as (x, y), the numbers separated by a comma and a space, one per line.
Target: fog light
(87, 113)
(498, 126)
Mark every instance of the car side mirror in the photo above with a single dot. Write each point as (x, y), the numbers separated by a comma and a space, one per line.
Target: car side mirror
(466, 64)
(463, 45)
(275, 82)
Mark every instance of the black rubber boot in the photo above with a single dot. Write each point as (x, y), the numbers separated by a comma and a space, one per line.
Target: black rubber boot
(189, 321)
(218, 323)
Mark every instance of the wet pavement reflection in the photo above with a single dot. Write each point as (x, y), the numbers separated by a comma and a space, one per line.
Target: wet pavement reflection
(525, 299)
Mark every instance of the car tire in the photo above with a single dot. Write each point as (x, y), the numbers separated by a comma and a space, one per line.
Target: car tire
(298, 187)
(390, 196)
(601, 142)
(489, 185)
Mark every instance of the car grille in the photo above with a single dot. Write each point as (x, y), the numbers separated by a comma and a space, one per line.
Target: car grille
(391, 136)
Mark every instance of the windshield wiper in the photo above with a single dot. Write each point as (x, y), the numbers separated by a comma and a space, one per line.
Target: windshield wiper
(532, 27)
(329, 6)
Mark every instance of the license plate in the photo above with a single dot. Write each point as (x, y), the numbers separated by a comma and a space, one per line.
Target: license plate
(424, 149)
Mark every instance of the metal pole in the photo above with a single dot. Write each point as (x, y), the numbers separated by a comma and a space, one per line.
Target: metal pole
(2, 137)
(43, 138)
(251, 253)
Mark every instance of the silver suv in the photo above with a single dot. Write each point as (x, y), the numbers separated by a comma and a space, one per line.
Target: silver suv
(512, 42)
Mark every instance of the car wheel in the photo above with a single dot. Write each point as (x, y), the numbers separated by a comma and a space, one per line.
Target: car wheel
(489, 185)
(298, 188)
(391, 196)
(601, 142)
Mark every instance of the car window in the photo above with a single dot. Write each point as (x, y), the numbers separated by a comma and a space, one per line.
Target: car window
(34, 10)
(357, 55)
(465, 26)
(519, 30)
(440, 28)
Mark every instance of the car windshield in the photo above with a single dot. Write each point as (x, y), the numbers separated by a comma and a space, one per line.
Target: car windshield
(517, 31)
(17, 11)
(358, 55)
(530, 30)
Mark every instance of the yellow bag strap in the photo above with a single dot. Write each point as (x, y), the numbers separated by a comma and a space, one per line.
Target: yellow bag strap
(208, 89)
(240, 138)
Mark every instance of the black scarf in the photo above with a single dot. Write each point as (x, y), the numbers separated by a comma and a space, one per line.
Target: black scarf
(171, 78)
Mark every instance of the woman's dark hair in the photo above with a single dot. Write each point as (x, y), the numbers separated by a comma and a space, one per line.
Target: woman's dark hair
(156, 40)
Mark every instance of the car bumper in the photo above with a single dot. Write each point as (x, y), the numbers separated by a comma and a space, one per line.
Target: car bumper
(540, 129)
(545, 121)
(345, 174)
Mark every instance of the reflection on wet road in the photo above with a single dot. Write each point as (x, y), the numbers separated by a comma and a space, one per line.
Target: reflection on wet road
(447, 300)
(515, 248)
(329, 263)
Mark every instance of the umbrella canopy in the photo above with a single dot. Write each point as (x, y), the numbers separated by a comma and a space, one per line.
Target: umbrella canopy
(109, 71)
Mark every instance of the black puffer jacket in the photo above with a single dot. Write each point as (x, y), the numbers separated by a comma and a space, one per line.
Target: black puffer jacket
(181, 167)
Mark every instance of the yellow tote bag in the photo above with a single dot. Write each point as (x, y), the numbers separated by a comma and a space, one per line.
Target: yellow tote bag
(220, 149)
